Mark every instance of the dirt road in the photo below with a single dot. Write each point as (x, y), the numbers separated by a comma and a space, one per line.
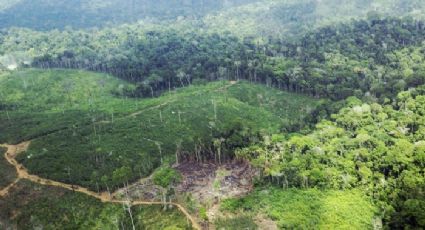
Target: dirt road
(14, 150)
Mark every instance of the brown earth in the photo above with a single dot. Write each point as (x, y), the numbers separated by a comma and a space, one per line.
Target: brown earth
(209, 182)
(206, 182)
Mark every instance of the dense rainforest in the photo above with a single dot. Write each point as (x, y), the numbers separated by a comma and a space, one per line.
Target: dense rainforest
(49, 14)
(315, 110)
(373, 58)
(379, 148)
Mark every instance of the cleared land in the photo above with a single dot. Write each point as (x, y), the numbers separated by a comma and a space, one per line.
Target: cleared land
(99, 139)
(88, 134)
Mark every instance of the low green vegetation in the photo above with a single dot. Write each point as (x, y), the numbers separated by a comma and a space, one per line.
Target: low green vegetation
(278, 102)
(308, 209)
(7, 171)
(240, 222)
(154, 217)
(99, 139)
(30, 206)
(37, 102)
(165, 177)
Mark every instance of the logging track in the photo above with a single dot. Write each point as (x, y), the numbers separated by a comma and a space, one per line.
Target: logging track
(22, 173)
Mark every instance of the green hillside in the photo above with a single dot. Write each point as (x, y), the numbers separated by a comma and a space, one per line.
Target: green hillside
(96, 134)
(37, 102)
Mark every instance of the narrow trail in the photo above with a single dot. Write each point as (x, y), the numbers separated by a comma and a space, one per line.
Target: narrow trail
(147, 109)
(136, 113)
(5, 191)
(22, 172)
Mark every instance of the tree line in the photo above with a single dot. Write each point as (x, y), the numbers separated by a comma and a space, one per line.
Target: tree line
(373, 59)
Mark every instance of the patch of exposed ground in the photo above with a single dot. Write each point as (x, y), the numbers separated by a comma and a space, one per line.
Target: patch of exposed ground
(214, 213)
(144, 189)
(209, 182)
(206, 182)
(263, 222)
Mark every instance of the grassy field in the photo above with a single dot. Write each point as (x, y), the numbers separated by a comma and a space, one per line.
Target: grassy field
(33, 206)
(7, 171)
(308, 209)
(103, 140)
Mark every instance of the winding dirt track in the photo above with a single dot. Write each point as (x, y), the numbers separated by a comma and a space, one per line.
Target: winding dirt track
(22, 172)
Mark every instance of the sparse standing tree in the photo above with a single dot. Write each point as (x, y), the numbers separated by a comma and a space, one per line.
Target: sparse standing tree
(178, 149)
(217, 144)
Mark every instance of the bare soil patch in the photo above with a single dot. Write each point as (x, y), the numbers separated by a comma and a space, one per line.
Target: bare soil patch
(209, 182)
(264, 222)
(144, 189)
(206, 182)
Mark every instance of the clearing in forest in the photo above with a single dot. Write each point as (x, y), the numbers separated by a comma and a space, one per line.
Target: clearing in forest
(88, 132)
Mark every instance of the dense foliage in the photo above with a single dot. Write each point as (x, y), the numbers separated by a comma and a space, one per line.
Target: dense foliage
(291, 19)
(165, 177)
(361, 58)
(258, 18)
(374, 58)
(378, 148)
(57, 14)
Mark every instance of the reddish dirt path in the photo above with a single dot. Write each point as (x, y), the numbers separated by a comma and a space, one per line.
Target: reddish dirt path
(14, 150)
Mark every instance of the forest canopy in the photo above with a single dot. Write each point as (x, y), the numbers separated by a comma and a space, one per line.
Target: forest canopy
(374, 58)
(317, 104)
